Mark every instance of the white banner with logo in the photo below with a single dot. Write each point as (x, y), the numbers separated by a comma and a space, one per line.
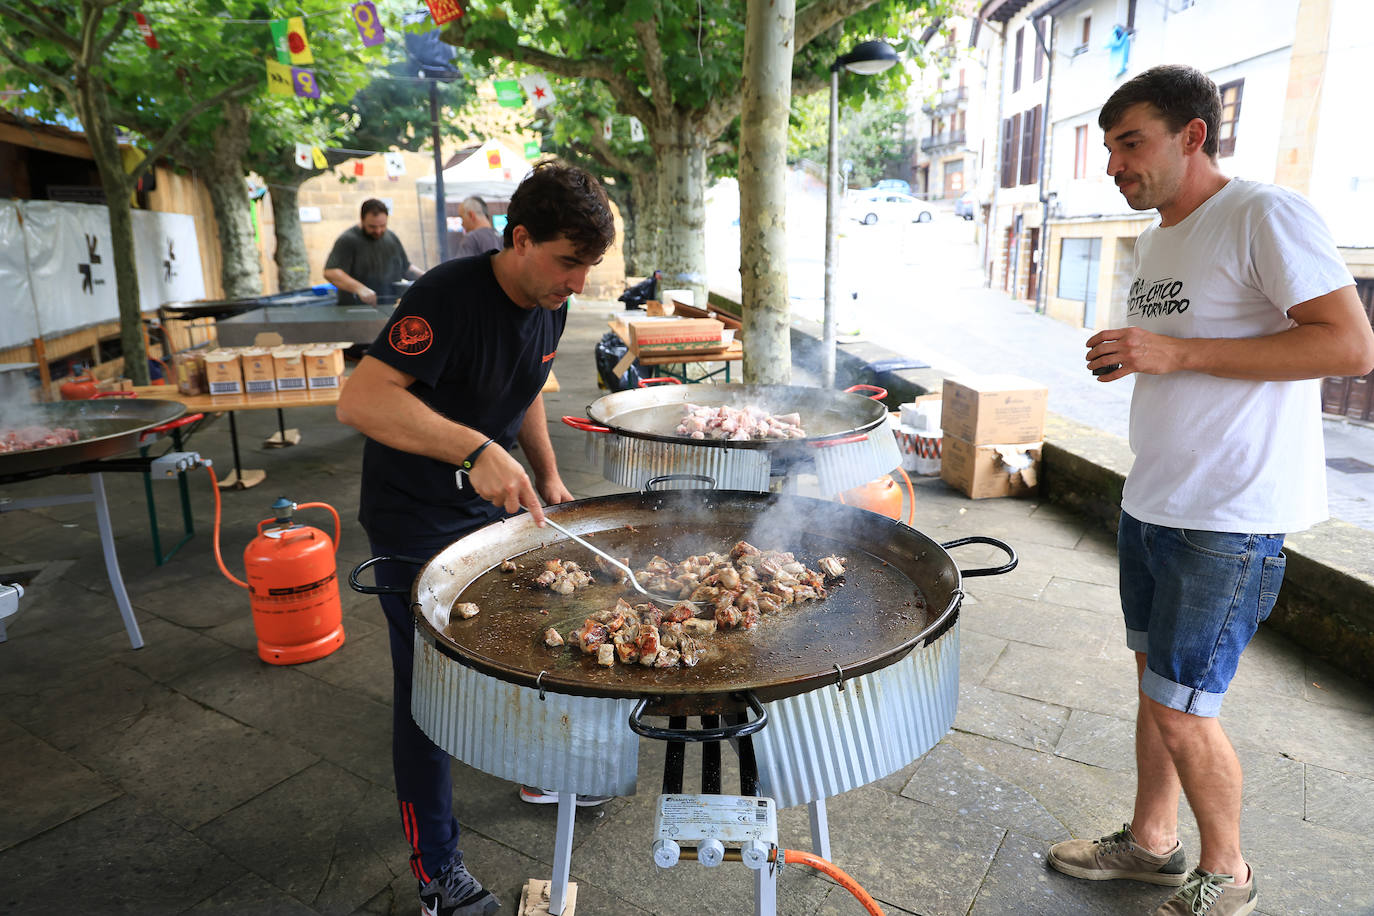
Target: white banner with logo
(168, 259)
(71, 265)
(18, 317)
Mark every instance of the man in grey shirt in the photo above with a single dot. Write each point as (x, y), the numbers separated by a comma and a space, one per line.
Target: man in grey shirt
(368, 259)
(478, 235)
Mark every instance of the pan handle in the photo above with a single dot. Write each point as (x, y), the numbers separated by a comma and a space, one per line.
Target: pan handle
(991, 570)
(664, 478)
(170, 425)
(722, 733)
(587, 426)
(869, 391)
(380, 589)
(659, 380)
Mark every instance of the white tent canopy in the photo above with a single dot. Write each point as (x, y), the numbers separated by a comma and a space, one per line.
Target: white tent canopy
(491, 173)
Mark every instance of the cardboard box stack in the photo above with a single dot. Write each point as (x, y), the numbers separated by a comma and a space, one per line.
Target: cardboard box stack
(288, 363)
(223, 372)
(324, 366)
(994, 426)
(260, 370)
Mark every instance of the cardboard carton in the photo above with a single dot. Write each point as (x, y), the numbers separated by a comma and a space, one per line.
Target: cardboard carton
(988, 409)
(259, 373)
(324, 367)
(223, 372)
(984, 471)
(670, 336)
(288, 364)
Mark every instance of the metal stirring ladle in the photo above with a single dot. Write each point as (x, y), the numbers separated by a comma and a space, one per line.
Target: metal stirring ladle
(661, 599)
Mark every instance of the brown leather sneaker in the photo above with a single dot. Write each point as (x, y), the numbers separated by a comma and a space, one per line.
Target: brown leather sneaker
(1206, 894)
(1119, 856)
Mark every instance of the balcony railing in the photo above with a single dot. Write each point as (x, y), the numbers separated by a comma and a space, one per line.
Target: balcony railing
(948, 100)
(944, 138)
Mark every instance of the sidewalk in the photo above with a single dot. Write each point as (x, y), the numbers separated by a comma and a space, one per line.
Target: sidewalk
(189, 777)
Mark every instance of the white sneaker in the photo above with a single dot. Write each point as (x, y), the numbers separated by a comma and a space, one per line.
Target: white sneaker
(549, 797)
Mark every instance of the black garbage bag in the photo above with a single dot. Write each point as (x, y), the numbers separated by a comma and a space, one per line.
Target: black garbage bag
(609, 352)
(641, 292)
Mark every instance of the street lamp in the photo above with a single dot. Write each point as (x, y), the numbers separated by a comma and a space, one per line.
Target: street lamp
(868, 58)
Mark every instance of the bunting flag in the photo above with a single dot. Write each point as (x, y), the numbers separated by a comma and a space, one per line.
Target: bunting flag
(303, 157)
(493, 158)
(537, 87)
(636, 130)
(288, 37)
(279, 80)
(395, 165)
(369, 27)
(146, 30)
(532, 149)
(358, 167)
(508, 94)
(317, 156)
(606, 129)
(304, 81)
(442, 11)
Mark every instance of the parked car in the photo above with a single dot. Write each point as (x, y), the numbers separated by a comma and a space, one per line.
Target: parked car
(887, 206)
(893, 184)
(965, 205)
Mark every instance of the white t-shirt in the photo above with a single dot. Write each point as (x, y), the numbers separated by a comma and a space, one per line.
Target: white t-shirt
(1221, 454)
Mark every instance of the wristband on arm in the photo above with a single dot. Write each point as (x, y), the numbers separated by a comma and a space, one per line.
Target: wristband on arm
(465, 466)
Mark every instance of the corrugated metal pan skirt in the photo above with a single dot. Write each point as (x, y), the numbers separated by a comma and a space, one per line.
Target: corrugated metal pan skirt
(829, 741)
(565, 743)
(853, 464)
(632, 462)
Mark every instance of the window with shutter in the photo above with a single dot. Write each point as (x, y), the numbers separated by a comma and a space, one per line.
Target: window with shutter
(1016, 66)
(1028, 146)
(1230, 116)
(1011, 136)
(1039, 56)
(1080, 151)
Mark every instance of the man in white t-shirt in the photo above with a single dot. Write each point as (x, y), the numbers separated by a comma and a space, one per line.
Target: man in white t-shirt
(1239, 304)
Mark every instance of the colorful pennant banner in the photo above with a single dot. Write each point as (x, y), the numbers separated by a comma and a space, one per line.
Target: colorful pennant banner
(146, 30)
(369, 27)
(508, 94)
(443, 10)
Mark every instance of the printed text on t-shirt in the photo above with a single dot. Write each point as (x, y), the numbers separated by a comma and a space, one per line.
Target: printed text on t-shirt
(1152, 300)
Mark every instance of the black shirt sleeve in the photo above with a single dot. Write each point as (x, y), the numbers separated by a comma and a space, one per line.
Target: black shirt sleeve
(422, 334)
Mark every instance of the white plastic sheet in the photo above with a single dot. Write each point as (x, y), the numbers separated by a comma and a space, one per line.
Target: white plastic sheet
(18, 317)
(71, 264)
(168, 259)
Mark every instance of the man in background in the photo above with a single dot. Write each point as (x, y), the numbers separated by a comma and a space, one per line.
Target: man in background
(478, 235)
(368, 259)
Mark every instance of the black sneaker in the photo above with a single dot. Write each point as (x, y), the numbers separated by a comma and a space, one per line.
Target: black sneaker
(456, 893)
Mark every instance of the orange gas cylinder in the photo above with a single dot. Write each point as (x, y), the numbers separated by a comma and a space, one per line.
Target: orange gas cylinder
(882, 496)
(293, 589)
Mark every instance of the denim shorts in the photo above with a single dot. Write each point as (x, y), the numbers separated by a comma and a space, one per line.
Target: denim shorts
(1192, 602)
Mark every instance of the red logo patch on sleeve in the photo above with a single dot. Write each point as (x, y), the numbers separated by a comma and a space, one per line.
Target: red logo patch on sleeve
(549, 356)
(411, 336)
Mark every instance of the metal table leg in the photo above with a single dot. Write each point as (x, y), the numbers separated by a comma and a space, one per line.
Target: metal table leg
(102, 517)
(562, 852)
(820, 829)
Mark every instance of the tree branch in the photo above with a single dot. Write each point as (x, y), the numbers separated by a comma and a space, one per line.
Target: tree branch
(608, 157)
(719, 148)
(808, 84)
(117, 29)
(38, 26)
(596, 68)
(40, 73)
(660, 94)
(173, 133)
(821, 15)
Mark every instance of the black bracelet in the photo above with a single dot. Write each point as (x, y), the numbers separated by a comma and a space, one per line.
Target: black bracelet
(470, 460)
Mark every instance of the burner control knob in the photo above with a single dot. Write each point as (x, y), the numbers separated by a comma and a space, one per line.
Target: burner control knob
(754, 854)
(666, 853)
(711, 852)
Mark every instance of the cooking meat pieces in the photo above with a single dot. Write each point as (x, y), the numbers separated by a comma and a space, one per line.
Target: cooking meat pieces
(738, 423)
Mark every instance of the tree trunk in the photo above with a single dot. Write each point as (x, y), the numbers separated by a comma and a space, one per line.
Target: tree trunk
(100, 131)
(681, 216)
(240, 270)
(646, 224)
(293, 267)
(767, 97)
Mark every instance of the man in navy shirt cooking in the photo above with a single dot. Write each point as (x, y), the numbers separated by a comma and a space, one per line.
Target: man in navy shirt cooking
(454, 380)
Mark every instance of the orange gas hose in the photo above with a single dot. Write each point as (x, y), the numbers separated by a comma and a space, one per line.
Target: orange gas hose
(796, 856)
(911, 495)
(214, 485)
